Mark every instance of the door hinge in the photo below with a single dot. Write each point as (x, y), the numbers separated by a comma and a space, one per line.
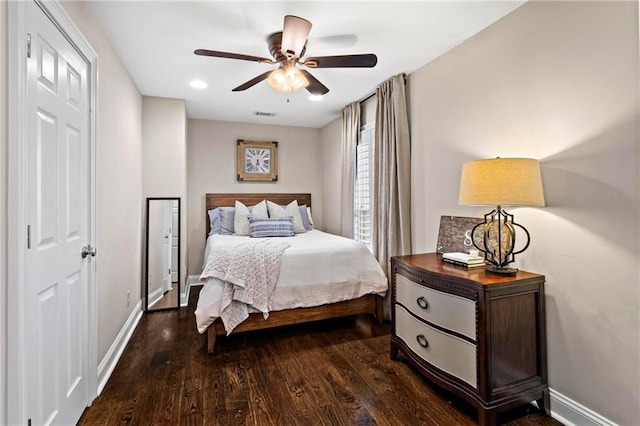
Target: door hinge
(28, 236)
(28, 45)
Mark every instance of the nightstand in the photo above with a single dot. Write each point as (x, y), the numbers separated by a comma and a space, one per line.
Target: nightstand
(478, 335)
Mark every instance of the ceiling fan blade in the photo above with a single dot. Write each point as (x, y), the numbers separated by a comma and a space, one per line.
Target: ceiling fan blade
(314, 87)
(252, 82)
(216, 54)
(368, 60)
(294, 36)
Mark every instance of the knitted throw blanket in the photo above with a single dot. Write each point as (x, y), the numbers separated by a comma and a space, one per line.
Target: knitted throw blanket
(250, 272)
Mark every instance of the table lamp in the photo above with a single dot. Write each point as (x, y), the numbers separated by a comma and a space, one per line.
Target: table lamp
(500, 182)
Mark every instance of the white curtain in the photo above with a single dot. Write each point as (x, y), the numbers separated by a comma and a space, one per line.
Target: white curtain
(392, 171)
(350, 135)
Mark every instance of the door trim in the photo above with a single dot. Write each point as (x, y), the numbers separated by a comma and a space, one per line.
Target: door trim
(14, 402)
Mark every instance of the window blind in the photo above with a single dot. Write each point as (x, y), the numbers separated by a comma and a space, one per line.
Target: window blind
(363, 189)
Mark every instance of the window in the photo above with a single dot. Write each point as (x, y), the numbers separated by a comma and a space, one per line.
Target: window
(363, 190)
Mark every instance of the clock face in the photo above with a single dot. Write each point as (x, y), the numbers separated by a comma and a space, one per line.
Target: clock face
(257, 160)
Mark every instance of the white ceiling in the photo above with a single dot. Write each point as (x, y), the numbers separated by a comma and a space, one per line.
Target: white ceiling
(156, 40)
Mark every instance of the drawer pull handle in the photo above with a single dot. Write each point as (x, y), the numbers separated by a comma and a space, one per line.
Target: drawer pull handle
(422, 341)
(422, 302)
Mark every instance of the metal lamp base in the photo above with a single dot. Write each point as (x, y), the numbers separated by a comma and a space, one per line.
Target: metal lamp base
(499, 241)
(501, 270)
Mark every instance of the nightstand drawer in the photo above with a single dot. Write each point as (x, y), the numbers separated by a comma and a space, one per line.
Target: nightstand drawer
(446, 352)
(445, 310)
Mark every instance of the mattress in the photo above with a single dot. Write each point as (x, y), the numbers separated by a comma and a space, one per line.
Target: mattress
(318, 269)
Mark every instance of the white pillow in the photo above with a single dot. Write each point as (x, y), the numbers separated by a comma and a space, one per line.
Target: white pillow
(309, 215)
(241, 218)
(290, 209)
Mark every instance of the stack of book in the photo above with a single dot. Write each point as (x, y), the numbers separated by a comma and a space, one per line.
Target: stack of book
(463, 259)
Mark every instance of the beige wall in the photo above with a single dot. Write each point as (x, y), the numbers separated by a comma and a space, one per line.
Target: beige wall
(164, 147)
(556, 81)
(119, 183)
(211, 164)
(164, 158)
(331, 149)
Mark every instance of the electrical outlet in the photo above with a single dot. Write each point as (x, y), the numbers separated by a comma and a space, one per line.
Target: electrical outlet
(128, 298)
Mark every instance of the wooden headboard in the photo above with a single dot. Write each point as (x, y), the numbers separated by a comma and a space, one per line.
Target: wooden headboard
(229, 200)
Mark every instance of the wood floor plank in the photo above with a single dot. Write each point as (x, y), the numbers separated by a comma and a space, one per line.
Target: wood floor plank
(334, 372)
(260, 399)
(300, 382)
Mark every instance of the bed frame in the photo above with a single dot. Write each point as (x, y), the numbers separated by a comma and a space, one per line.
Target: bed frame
(368, 304)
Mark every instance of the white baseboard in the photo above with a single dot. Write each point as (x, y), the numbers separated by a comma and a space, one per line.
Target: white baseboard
(192, 281)
(571, 413)
(108, 363)
(155, 296)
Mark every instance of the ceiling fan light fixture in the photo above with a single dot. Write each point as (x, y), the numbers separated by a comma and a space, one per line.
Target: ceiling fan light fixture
(294, 36)
(287, 80)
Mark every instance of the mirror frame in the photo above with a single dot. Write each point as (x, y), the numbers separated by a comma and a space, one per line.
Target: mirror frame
(146, 255)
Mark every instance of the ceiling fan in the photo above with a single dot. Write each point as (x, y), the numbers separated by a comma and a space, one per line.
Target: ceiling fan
(288, 48)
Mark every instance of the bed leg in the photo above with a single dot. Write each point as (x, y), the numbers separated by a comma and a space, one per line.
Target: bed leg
(211, 338)
(380, 309)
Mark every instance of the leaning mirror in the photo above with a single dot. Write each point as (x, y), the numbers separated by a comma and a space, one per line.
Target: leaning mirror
(162, 254)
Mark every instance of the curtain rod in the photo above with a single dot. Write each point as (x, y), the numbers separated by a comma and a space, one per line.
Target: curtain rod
(372, 94)
(366, 98)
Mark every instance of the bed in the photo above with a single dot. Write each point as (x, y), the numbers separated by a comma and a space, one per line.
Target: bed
(303, 306)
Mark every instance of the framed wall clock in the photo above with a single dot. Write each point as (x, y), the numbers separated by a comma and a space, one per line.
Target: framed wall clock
(257, 161)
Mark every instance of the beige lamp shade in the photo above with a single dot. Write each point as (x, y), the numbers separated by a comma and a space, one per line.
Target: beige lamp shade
(501, 182)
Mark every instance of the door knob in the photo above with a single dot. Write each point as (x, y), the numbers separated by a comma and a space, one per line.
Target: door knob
(88, 250)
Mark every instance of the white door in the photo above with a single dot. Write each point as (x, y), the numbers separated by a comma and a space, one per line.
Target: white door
(55, 314)
(174, 243)
(167, 229)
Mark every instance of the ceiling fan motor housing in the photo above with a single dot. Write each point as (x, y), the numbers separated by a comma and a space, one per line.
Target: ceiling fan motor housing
(275, 48)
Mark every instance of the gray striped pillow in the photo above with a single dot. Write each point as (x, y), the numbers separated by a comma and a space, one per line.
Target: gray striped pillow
(271, 227)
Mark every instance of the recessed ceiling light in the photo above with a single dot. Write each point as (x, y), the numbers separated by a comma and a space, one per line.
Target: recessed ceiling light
(198, 84)
(315, 98)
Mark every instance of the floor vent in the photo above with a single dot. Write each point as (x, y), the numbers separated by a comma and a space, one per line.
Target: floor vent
(264, 114)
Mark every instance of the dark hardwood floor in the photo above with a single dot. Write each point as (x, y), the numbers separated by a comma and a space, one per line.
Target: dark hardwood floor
(334, 372)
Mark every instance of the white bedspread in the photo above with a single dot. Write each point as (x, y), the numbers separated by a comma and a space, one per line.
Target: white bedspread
(318, 268)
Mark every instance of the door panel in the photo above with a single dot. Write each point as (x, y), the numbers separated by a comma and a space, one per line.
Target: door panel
(45, 156)
(73, 179)
(74, 331)
(47, 64)
(46, 339)
(73, 88)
